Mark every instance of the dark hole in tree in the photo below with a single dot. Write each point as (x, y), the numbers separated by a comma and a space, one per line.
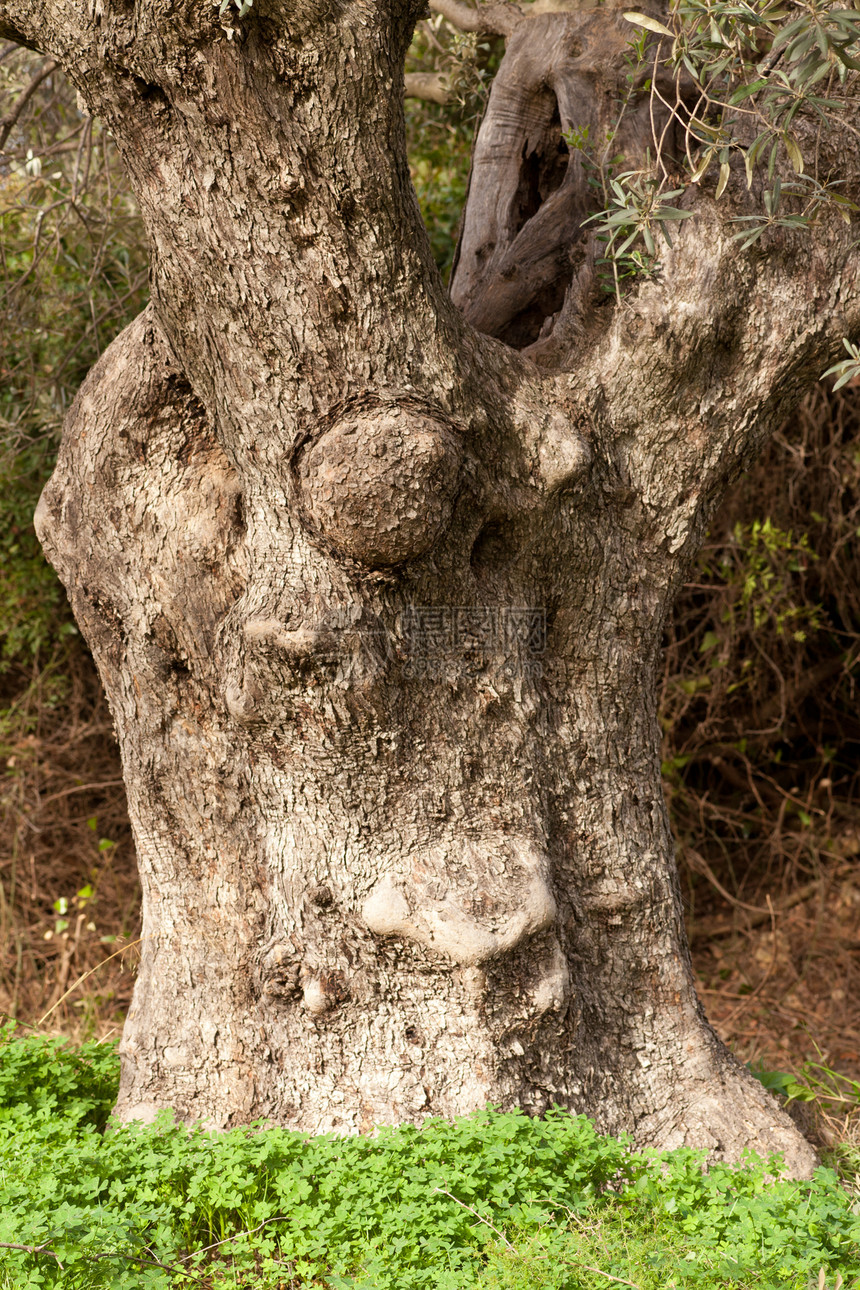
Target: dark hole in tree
(492, 550)
(542, 172)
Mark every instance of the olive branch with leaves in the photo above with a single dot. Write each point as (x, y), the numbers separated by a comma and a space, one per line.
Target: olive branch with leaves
(748, 80)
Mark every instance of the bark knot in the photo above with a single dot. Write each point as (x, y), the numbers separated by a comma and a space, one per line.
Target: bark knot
(379, 485)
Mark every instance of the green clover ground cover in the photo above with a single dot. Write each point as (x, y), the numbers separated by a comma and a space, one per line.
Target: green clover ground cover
(491, 1202)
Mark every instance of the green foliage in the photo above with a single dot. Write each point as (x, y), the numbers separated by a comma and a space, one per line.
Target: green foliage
(439, 138)
(493, 1200)
(816, 1083)
(641, 208)
(44, 1080)
(632, 202)
(760, 570)
(637, 209)
(439, 152)
(759, 687)
(760, 564)
(752, 67)
(743, 76)
(835, 1100)
(33, 610)
(73, 271)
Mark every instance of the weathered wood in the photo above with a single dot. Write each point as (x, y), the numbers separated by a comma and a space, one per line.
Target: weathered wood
(522, 242)
(497, 19)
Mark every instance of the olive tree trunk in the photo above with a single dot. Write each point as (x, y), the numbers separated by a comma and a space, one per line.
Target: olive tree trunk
(377, 598)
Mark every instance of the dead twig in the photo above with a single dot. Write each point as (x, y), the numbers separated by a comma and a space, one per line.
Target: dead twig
(279, 1218)
(478, 1216)
(10, 120)
(45, 1248)
(83, 978)
(80, 788)
(32, 1249)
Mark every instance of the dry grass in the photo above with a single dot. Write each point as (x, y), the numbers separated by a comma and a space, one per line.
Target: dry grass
(785, 992)
(61, 802)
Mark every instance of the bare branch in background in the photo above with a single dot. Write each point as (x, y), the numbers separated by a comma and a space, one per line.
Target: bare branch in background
(430, 86)
(8, 122)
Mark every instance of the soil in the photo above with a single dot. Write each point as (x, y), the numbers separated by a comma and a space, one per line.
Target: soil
(788, 990)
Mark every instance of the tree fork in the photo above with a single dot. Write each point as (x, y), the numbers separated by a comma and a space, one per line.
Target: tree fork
(377, 599)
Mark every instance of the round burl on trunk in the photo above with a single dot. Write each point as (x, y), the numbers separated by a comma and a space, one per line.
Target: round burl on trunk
(379, 484)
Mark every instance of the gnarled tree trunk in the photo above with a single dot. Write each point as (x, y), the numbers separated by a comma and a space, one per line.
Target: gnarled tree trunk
(377, 598)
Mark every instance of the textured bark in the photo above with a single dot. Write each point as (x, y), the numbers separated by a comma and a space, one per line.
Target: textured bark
(377, 600)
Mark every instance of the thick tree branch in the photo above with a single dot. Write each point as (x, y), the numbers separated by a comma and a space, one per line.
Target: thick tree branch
(18, 34)
(700, 365)
(47, 26)
(92, 39)
(486, 19)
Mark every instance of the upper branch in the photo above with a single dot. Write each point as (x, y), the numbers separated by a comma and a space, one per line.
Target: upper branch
(430, 86)
(46, 26)
(92, 39)
(712, 335)
(699, 367)
(486, 19)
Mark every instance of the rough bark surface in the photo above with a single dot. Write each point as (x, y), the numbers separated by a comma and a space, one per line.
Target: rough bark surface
(377, 599)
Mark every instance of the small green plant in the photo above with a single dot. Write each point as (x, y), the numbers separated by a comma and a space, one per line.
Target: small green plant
(634, 203)
(761, 573)
(494, 1201)
(817, 1083)
(834, 1100)
(848, 369)
(768, 554)
(638, 209)
(45, 1080)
